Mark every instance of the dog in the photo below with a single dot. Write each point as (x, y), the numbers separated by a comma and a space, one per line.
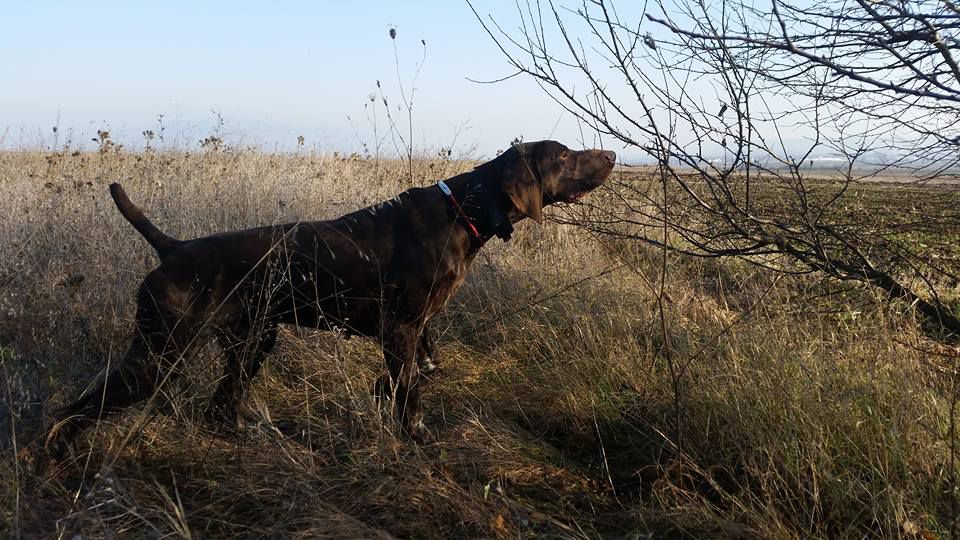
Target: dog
(381, 272)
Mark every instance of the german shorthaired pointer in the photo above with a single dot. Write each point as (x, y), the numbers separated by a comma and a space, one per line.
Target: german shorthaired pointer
(381, 272)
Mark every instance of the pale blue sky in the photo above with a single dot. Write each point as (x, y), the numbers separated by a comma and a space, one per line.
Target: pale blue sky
(274, 70)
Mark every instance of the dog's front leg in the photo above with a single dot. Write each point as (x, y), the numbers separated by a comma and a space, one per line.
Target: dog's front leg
(427, 364)
(399, 351)
(427, 359)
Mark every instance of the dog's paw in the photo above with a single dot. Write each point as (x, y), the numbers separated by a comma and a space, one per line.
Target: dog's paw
(53, 449)
(426, 365)
(42, 456)
(417, 432)
(33, 459)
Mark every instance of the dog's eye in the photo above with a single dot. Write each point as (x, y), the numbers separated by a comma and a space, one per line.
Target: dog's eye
(564, 154)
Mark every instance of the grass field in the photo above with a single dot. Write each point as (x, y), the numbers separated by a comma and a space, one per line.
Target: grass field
(805, 408)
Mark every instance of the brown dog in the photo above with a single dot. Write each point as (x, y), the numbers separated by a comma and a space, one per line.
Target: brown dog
(382, 272)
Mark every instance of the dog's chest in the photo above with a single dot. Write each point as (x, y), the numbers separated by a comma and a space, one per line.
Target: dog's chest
(448, 280)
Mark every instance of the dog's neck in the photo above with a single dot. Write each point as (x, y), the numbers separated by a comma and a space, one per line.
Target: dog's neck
(483, 204)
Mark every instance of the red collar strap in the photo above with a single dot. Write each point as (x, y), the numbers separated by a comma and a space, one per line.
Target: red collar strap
(466, 221)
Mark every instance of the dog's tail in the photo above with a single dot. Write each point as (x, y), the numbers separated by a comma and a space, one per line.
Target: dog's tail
(161, 242)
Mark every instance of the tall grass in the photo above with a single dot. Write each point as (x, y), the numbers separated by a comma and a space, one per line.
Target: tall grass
(806, 408)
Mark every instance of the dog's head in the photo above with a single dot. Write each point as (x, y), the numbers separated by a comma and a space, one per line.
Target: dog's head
(536, 174)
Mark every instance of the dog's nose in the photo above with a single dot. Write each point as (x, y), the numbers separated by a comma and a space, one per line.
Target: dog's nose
(612, 156)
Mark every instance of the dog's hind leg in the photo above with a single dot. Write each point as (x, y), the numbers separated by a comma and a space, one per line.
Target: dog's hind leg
(244, 352)
(164, 338)
(133, 380)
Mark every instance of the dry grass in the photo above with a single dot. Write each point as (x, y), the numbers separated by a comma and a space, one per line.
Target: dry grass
(806, 409)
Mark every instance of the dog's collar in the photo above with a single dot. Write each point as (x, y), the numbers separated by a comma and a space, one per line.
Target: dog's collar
(462, 216)
(498, 220)
(494, 221)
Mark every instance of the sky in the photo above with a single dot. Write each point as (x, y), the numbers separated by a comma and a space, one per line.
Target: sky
(272, 71)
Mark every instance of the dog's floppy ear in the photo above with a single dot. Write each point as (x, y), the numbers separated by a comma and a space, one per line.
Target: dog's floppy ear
(522, 183)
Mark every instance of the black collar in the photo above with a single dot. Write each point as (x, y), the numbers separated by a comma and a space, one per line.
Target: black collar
(496, 218)
(485, 217)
